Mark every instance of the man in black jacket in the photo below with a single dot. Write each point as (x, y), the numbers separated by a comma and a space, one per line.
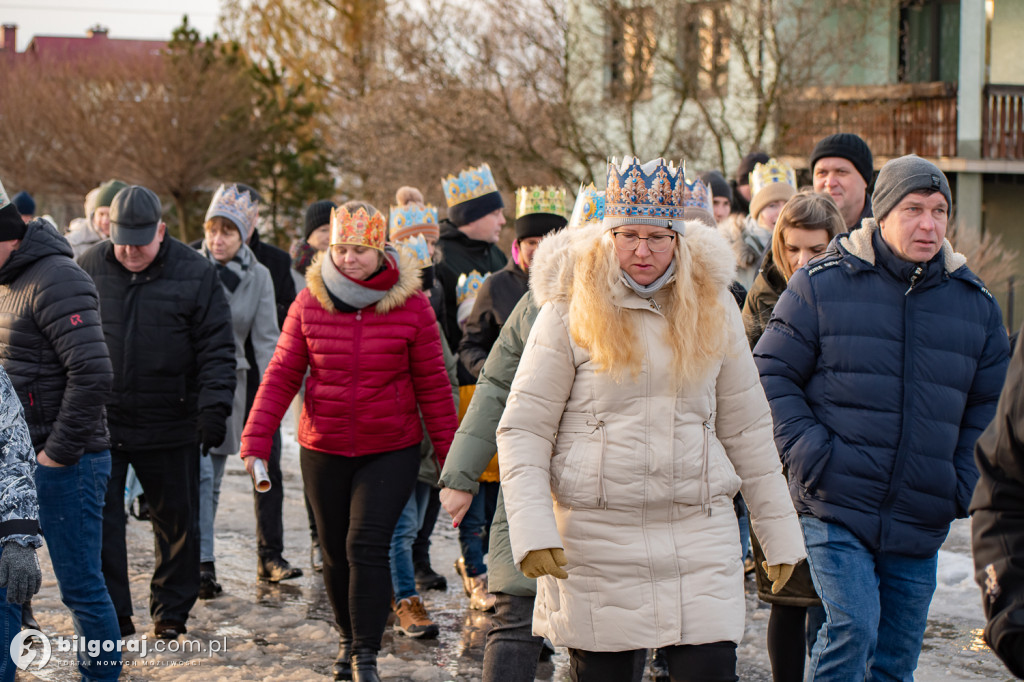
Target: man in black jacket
(51, 345)
(997, 511)
(168, 327)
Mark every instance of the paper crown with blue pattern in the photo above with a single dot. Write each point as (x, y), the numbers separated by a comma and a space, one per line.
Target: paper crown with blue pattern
(697, 195)
(411, 215)
(416, 249)
(644, 194)
(238, 206)
(530, 200)
(773, 171)
(589, 207)
(470, 184)
(468, 286)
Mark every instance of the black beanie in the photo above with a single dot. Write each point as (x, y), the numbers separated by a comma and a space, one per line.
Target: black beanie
(538, 224)
(24, 202)
(318, 213)
(747, 165)
(11, 224)
(466, 212)
(719, 187)
(846, 146)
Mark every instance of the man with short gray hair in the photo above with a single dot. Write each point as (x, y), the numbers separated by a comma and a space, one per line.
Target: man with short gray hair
(167, 324)
(883, 363)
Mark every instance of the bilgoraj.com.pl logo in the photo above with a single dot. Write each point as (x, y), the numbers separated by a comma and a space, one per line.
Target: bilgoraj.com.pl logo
(31, 648)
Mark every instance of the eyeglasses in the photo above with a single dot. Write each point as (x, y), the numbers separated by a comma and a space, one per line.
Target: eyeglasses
(629, 241)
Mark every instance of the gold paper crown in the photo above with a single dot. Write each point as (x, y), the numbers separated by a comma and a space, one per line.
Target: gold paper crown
(359, 228)
(471, 183)
(773, 171)
(540, 200)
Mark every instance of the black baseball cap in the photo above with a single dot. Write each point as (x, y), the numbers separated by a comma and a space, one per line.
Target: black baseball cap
(134, 216)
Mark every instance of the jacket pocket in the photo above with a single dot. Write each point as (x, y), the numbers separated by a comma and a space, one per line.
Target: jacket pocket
(577, 477)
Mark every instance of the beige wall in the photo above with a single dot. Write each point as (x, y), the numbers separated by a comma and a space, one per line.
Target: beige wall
(1002, 217)
(1007, 53)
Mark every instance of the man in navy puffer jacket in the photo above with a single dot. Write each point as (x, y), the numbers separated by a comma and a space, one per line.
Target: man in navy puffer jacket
(883, 363)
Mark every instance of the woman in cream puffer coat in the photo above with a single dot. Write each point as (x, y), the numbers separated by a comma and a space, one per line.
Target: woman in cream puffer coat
(641, 416)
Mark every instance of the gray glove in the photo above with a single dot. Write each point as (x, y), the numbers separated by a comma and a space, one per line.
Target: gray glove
(19, 572)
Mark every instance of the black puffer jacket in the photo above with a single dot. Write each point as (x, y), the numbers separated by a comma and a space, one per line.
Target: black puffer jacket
(51, 344)
(498, 295)
(168, 329)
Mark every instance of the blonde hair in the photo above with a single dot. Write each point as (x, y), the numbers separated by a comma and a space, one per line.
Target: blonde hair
(696, 329)
(807, 210)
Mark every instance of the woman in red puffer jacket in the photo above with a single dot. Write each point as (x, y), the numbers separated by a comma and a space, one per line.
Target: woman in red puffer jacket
(370, 341)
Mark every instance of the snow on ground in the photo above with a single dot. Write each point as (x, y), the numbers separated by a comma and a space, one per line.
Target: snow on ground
(283, 633)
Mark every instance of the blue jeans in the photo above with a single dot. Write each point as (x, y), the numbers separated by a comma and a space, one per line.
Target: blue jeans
(71, 503)
(743, 520)
(211, 473)
(403, 574)
(475, 526)
(876, 606)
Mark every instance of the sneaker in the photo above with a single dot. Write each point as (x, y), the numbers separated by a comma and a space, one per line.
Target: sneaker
(413, 620)
(428, 579)
(276, 569)
(209, 588)
(475, 588)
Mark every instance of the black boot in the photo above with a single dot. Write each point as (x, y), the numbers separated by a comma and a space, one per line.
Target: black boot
(343, 664)
(364, 666)
(28, 621)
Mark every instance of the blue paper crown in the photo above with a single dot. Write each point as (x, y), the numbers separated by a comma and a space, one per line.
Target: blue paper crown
(411, 215)
(651, 190)
(415, 248)
(237, 205)
(589, 207)
(468, 286)
(697, 195)
(471, 183)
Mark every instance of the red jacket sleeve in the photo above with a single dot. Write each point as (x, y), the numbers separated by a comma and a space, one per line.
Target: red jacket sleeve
(430, 380)
(281, 381)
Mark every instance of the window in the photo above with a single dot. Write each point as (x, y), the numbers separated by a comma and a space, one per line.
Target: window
(929, 41)
(702, 53)
(631, 46)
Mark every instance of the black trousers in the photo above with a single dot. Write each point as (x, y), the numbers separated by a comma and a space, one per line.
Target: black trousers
(170, 480)
(269, 507)
(357, 502)
(715, 662)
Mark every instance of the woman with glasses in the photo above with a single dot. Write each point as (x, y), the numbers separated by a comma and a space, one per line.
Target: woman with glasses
(638, 408)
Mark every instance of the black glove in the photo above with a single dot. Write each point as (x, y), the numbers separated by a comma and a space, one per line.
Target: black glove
(213, 426)
(19, 572)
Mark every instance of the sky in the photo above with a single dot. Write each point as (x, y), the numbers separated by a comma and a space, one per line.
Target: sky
(152, 19)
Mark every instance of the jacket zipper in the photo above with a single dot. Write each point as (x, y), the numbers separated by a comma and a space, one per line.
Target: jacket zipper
(705, 477)
(355, 381)
(914, 279)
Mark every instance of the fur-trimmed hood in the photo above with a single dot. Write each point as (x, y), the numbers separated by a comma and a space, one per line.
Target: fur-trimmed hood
(551, 273)
(409, 282)
(858, 243)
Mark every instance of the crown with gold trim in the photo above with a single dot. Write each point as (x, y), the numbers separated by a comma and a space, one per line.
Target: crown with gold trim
(468, 286)
(416, 249)
(359, 228)
(773, 171)
(535, 199)
(697, 195)
(411, 215)
(589, 208)
(653, 190)
(471, 183)
(237, 205)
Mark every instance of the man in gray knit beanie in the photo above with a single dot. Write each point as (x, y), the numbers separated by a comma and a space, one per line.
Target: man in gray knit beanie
(912, 204)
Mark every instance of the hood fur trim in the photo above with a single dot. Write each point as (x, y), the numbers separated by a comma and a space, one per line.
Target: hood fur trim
(859, 244)
(551, 272)
(408, 283)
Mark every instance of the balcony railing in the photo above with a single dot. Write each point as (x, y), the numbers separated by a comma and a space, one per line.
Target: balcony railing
(1003, 122)
(910, 118)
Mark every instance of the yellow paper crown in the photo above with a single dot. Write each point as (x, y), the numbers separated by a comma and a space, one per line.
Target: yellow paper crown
(540, 200)
(359, 228)
(773, 171)
(471, 183)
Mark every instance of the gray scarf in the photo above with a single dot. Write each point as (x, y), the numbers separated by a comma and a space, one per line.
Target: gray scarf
(351, 293)
(649, 290)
